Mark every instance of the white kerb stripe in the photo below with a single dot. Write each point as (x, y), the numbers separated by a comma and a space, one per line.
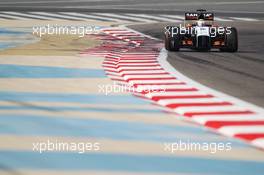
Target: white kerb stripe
(153, 94)
(153, 81)
(135, 61)
(147, 76)
(141, 53)
(233, 130)
(247, 117)
(153, 87)
(137, 64)
(191, 109)
(195, 100)
(114, 62)
(136, 68)
(124, 65)
(258, 142)
(144, 71)
(167, 86)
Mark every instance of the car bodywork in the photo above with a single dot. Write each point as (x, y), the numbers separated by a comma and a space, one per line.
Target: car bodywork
(199, 32)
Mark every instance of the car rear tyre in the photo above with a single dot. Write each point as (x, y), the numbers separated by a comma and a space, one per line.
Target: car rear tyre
(167, 42)
(231, 41)
(172, 43)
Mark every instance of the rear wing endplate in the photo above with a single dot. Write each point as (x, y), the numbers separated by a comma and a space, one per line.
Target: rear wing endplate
(196, 16)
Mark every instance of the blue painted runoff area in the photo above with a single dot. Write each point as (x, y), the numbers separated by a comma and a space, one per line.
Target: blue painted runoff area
(37, 125)
(81, 109)
(10, 33)
(71, 98)
(128, 163)
(19, 71)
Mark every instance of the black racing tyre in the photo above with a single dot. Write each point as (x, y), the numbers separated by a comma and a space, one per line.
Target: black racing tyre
(204, 43)
(172, 43)
(231, 41)
(167, 42)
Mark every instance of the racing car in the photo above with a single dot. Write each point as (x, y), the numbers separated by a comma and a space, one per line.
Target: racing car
(199, 32)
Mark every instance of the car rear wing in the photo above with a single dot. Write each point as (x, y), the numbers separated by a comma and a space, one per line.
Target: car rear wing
(199, 15)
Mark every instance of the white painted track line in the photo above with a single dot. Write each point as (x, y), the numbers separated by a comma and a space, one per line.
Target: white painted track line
(124, 18)
(28, 16)
(153, 17)
(222, 19)
(91, 17)
(56, 15)
(12, 17)
(244, 19)
(176, 17)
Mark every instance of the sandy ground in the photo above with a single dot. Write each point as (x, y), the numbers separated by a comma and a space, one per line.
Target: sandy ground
(48, 45)
(54, 45)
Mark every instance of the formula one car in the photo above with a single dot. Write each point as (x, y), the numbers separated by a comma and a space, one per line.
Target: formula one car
(200, 33)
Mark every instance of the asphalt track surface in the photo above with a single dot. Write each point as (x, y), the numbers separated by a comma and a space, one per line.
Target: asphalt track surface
(238, 8)
(238, 74)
